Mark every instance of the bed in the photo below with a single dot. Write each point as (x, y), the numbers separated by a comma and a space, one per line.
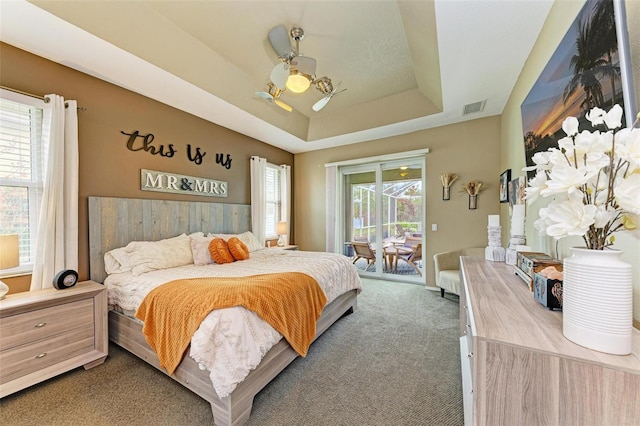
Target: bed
(116, 222)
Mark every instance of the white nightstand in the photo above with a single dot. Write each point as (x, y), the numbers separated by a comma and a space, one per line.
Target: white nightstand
(47, 332)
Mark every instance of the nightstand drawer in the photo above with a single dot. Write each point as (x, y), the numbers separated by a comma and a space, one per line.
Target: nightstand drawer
(22, 360)
(31, 326)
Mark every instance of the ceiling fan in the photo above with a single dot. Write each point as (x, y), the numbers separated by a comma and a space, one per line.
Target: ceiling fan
(296, 73)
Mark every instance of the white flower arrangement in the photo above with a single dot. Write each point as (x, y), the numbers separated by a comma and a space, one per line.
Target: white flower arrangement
(594, 179)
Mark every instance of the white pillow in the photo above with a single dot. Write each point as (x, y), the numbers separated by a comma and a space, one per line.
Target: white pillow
(200, 250)
(147, 256)
(117, 261)
(250, 240)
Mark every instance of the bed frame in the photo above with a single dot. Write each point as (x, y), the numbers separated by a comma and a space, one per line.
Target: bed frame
(114, 222)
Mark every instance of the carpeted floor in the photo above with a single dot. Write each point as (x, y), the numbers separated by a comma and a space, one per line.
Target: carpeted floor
(395, 361)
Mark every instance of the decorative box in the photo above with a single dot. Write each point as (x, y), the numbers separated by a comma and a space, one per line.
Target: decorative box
(528, 263)
(547, 291)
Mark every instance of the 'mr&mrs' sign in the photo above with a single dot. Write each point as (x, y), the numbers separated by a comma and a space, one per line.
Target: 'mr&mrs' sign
(151, 180)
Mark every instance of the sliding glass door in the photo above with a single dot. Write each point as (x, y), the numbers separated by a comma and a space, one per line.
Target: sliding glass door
(383, 220)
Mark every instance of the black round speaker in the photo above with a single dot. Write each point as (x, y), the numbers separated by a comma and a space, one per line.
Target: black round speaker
(65, 279)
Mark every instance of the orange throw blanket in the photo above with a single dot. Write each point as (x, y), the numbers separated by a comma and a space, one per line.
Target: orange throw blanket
(290, 302)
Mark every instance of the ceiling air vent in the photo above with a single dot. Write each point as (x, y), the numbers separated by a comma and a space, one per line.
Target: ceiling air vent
(474, 107)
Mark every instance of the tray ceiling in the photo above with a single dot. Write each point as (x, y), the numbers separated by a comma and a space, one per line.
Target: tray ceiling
(406, 65)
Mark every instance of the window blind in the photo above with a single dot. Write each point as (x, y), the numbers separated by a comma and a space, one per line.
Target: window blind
(21, 172)
(272, 199)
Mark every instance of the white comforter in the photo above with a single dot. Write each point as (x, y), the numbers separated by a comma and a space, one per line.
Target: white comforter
(231, 342)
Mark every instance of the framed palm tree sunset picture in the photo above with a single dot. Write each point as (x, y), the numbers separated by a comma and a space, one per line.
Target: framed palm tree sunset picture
(590, 68)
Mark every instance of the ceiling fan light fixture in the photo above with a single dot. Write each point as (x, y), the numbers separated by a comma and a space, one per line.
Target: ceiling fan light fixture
(324, 85)
(296, 72)
(274, 90)
(298, 82)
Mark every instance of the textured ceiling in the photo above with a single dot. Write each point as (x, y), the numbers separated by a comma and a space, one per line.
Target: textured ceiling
(406, 65)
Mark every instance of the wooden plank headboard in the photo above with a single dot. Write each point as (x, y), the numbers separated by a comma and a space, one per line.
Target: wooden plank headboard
(114, 222)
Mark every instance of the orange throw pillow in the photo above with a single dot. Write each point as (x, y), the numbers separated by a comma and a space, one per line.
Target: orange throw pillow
(238, 249)
(220, 251)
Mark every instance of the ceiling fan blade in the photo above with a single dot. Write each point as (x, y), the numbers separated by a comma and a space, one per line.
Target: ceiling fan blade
(283, 105)
(279, 39)
(321, 103)
(265, 95)
(279, 75)
(304, 64)
(338, 92)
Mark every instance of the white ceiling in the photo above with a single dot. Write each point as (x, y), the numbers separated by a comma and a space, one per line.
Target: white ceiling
(406, 65)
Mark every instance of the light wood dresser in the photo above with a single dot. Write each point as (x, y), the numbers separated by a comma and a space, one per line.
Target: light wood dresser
(518, 368)
(48, 332)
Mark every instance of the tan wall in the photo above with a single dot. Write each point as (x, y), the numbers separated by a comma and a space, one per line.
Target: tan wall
(107, 167)
(471, 150)
(512, 155)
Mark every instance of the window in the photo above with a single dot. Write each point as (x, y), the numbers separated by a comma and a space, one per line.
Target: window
(21, 170)
(273, 200)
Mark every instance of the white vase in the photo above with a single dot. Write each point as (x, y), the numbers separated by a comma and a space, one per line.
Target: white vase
(597, 306)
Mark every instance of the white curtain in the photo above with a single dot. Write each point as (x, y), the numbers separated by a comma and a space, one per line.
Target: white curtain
(331, 224)
(285, 197)
(57, 235)
(258, 213)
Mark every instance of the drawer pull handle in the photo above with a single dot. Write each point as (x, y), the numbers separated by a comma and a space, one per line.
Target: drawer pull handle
(42, 355)
(39, 325)
(470, 355)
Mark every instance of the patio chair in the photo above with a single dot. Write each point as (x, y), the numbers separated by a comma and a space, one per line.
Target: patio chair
(411, 241)
(413, 256)
(363, 250)
(409, 250)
